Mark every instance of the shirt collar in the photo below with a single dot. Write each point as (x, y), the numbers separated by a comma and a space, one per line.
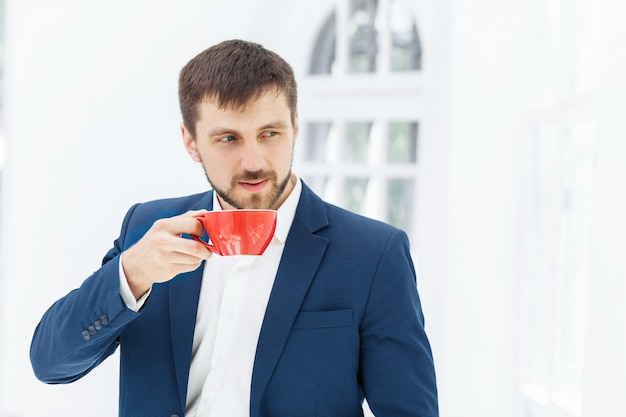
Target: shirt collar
(286, 212)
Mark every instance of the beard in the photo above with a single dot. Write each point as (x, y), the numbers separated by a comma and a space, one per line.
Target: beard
(265, 200)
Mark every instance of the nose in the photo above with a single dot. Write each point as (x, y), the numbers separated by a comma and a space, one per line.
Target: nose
(253, 157)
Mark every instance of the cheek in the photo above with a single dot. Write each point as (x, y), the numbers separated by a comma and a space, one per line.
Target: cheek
(287, 159)
(281, 156)
(216, 166)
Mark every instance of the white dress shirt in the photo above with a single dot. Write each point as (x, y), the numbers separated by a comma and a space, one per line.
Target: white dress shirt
(233, 298)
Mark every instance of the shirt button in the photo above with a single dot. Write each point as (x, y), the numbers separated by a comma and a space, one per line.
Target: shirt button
(86, 335)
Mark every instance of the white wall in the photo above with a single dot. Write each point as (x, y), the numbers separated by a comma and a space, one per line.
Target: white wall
(472, 199)
(92, 126)
(468, 203)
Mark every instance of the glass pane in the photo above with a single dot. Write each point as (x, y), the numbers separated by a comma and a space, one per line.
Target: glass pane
(400, 202)
(357, 141)
(558, 200)
(316, 141)
(574, 243)
(354, 193)
(363, 36)
(323, 58)
(402, 142)
(406, 51)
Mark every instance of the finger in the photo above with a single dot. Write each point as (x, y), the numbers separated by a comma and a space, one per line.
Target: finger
(178, 225)
(190, 225)
(194, 213)
(195, 227)
(182, 259)
(193, 249)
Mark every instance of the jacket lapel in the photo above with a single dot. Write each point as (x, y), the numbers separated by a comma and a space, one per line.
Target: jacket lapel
(184, 294)
(301, 258)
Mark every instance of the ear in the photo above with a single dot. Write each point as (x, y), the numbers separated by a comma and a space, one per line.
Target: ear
(190, 143)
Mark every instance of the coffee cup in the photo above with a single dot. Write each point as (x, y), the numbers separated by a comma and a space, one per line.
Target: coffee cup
(238, 232)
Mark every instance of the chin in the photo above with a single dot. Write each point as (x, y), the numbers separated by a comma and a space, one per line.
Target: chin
(254, 202)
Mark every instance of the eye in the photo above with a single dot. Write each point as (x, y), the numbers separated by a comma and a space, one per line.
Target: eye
(269, 134)
(227, 138)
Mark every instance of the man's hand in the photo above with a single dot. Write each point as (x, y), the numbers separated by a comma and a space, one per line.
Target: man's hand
(161, 253)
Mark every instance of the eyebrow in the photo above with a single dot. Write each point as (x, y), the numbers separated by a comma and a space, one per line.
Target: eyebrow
(276, 124)
(219, 131)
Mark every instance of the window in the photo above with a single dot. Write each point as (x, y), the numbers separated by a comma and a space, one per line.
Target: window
(558, 196)
(362, 103)
(557, 259)
(368, 23)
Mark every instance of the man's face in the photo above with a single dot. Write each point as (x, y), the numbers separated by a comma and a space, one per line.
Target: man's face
(246, 153)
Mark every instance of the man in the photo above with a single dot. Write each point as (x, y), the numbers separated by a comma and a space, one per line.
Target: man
(327, 316)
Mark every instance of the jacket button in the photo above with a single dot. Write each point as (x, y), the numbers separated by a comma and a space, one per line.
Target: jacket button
(86, 335)
(104, 319)
(98, 325)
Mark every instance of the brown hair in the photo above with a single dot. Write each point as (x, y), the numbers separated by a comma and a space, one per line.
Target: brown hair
(233, 72)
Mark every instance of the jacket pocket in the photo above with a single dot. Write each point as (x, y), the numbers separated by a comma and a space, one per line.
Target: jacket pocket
(319, 319)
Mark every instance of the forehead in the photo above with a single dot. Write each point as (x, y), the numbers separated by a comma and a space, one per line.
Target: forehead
(242, 101)
(269, 104)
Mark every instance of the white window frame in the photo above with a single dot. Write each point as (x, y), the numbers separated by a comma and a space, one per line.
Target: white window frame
(382, 97)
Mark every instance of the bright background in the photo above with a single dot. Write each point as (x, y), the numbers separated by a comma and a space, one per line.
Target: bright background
(512, 192)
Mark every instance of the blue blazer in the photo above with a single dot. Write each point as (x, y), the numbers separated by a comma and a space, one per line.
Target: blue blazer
(343, 322)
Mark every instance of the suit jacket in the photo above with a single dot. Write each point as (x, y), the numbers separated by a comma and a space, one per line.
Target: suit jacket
(343, 322)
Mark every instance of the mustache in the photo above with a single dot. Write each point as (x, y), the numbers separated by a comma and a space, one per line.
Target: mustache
(254, 175)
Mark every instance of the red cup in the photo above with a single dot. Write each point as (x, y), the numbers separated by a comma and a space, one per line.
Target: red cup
(238, 232)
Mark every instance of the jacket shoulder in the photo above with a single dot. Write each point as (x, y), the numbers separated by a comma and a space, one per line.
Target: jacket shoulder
(141, 216)
(349, 223)
(168, 207)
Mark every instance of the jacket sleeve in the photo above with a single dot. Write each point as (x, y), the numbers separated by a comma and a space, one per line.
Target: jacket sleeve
(396, 365)
(81, 329)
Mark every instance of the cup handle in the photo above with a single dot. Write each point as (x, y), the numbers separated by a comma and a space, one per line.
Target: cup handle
(197, 238)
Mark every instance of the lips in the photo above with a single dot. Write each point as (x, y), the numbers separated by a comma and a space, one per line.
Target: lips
(253, 186)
